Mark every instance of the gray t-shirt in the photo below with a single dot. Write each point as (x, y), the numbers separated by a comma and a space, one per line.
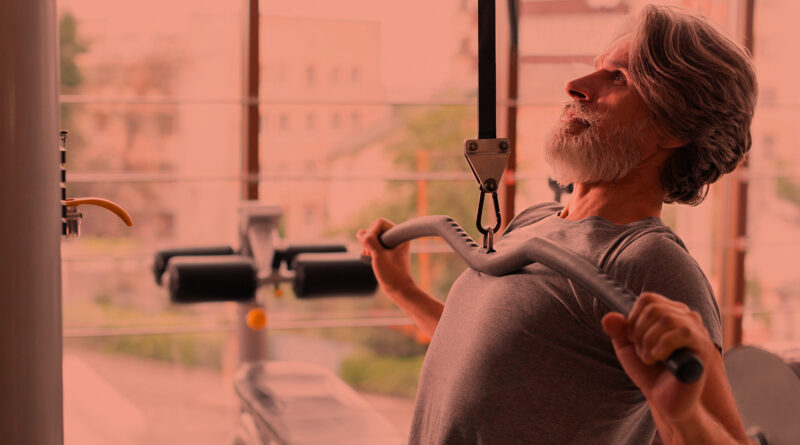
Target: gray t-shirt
(523, 358)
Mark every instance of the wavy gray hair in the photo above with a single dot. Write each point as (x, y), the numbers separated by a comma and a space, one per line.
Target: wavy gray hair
(700, 87)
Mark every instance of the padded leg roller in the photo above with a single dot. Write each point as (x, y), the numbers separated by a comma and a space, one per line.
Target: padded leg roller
(211, 278)
(163, 257)
(323, 275)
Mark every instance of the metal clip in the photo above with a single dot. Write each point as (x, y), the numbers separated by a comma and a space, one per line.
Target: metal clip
(488, 232)
(488, 240)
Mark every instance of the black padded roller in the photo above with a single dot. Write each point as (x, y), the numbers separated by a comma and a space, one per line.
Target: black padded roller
(211, 278)
(288, 253)
(325, 275)
(163, 256)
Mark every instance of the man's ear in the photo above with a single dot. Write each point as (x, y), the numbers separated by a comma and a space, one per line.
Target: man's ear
(668, 142)
(671, 144)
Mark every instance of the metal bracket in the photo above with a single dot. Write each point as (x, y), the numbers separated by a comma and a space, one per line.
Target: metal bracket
(71, 222)
(487, 158)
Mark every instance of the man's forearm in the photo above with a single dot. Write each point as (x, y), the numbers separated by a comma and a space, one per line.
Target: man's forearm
(714, 420)
(420, 306)
(699, 427)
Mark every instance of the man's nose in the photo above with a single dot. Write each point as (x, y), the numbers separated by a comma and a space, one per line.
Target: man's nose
(580, 89)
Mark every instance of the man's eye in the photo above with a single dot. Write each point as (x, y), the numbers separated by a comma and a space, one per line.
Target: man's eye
(619, 76)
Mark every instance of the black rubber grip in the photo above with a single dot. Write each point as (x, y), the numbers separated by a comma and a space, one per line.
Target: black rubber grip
(330, 275)
(203, 279)
(683, 363)
(163, 256)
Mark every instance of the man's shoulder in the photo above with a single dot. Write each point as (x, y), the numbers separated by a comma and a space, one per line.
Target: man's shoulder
(654, 243)
(533, 214)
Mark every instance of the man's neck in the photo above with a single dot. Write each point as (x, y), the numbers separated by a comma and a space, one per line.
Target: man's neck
(630, 199)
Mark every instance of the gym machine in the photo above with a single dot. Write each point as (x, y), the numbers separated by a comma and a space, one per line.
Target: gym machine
(280, 402)
(767, 393)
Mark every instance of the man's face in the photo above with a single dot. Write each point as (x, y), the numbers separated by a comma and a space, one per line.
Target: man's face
(605, 130)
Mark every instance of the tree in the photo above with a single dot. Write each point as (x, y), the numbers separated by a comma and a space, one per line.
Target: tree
(440, 132)
(70, 46)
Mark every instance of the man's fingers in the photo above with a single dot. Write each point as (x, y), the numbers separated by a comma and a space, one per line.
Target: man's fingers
(369, 238)
(669, 342)
(651, 309)
(379, 226)
(614, 325)
(370, 242)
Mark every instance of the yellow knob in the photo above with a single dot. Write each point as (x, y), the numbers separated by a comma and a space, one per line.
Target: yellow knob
(256, 319)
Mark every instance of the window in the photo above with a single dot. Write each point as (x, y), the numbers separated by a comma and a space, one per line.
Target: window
(155, 121)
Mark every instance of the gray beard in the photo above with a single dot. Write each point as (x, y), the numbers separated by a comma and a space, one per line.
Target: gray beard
(591, 155)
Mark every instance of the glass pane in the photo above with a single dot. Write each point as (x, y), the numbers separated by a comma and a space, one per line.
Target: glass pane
(364, 107)
(771, 312)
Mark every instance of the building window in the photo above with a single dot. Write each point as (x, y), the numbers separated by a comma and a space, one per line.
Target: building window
(335, 121)
(310, 121)
(355, 75)
(284, 122)
(356, 119)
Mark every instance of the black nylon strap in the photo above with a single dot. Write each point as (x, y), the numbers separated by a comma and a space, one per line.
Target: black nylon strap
(487, 71)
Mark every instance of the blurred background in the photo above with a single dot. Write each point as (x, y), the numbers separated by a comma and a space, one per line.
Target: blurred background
(363, 107)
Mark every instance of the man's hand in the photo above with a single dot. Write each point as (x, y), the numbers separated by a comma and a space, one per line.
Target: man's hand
(654, 329)
(392, 267)
(393, 271)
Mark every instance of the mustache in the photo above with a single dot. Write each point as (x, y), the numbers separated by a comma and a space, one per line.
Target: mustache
(577, 110)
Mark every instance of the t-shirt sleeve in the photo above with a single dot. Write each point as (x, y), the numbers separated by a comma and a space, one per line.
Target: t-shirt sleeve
(657, 263)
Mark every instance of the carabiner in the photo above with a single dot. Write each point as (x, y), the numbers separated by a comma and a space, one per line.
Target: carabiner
(488, 232)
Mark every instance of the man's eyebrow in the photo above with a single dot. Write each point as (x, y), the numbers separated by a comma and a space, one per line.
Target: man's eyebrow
(615, 63)
(619, 63)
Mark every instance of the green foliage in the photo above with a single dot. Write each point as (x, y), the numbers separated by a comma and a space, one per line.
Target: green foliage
(752, 289)
(394, 376)
(440, 133)
(204, 350)
(70, 46)
(102, 298)
(788, 190)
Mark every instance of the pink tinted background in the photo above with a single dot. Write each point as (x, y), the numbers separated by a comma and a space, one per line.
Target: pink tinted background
(346, 87)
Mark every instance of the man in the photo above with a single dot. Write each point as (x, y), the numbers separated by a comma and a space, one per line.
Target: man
(532, 358)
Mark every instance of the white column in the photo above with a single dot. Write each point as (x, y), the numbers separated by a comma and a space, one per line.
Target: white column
(30, 226)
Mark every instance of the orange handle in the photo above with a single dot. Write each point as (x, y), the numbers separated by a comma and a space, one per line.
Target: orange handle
(104, 203)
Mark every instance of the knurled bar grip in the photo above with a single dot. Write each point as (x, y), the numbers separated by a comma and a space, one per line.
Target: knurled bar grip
(683, 363)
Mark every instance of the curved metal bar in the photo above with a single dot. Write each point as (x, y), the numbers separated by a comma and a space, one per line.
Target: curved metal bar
(104, 203)
(682, 363)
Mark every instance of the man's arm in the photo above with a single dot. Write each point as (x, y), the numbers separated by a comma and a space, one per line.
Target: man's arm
(701, 412)
(393, 271)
